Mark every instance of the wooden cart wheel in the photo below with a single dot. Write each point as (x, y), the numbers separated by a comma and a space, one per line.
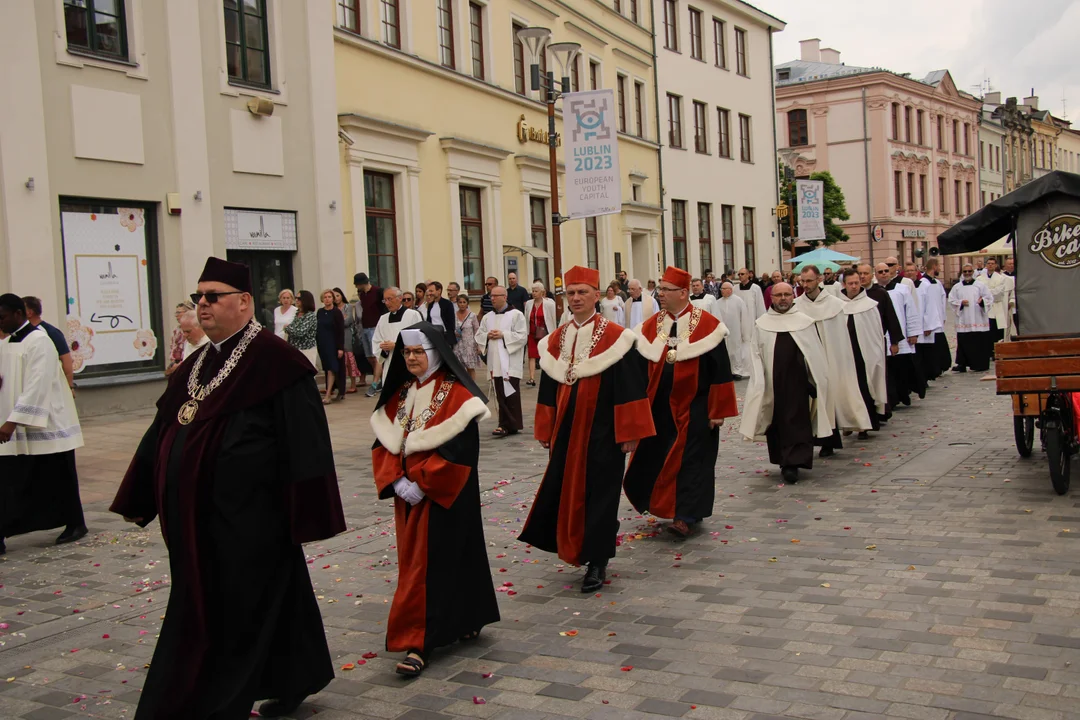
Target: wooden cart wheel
(1024, 434)
(1058, 450)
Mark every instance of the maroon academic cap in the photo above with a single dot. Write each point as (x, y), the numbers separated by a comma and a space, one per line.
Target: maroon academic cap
(230, 273)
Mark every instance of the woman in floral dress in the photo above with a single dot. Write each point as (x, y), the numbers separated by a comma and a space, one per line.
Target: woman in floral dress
(301, 331)
(176, 343)
(465, 349)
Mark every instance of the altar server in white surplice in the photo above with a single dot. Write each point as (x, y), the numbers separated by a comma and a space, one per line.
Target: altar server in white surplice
(751, 294)
(1002, 287)
(701, 299)
(639, 306)
(733, 312)
(972, 302)
(502, 337)
(384, 339)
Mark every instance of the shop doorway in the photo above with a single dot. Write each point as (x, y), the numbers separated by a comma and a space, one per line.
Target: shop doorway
(271, 272)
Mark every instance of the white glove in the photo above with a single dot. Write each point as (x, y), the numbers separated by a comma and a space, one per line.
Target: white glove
(413, 494)
(401, 485)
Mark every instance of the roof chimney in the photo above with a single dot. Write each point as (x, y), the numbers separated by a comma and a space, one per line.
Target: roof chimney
(1032, 100)
(992, 98)
(828, 55)
(810, 50)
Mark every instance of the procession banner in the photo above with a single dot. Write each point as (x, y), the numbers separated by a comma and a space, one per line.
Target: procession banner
(811, 194)
(591, 154)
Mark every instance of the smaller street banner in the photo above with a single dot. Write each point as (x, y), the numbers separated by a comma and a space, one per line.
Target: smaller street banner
(591, 146)
(811, 194)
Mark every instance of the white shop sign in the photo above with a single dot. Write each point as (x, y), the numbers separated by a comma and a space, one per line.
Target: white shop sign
(259, 230)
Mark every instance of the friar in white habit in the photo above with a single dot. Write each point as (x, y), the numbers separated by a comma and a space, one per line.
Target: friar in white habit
(843, 402)
(972, 302)
(502, 337)
(751, 294)
(785, 401)
(734, 313)
(866, 334)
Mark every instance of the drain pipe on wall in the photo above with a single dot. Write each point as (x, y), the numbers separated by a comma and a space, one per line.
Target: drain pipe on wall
(866, 170)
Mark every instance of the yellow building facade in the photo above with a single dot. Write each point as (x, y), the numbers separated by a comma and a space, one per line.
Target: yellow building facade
(444, 159)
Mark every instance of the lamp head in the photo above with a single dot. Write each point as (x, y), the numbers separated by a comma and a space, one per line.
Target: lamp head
(565, 53)
(534, 39)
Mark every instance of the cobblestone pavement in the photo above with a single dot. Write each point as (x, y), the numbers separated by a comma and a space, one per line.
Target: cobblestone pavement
(926, 573)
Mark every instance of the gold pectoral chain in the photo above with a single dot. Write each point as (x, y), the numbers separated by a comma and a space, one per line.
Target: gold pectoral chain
(673, 342)
(572, 359)
(199, 392)
(413, 424)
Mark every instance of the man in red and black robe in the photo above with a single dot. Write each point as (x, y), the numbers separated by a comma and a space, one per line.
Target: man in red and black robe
(425, 456)
(591, 410)
(240, 477)
(672, 474)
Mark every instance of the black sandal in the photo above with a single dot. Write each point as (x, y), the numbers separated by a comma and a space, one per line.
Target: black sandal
(412, 665)
(469, 637)
(499, 432)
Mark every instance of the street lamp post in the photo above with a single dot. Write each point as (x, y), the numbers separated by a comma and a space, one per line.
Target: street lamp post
(536, 41)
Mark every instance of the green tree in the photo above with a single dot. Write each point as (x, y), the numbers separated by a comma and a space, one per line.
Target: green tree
(834, 208)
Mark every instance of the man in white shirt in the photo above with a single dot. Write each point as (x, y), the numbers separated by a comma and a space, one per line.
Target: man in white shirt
(640, 306)
(386, 334)
(194, 337)
(502, 338)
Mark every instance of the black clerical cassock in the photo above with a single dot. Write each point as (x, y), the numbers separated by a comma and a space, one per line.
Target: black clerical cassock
(238, 487)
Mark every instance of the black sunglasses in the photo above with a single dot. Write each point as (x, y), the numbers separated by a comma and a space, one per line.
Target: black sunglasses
(212, 297)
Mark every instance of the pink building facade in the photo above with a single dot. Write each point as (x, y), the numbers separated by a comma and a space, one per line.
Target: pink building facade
(904, 151)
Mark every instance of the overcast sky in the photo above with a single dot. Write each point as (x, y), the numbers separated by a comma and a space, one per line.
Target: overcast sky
(1017, 45)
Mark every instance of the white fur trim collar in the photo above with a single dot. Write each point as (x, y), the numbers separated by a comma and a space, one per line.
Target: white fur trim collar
(390, 434)
(655, 350)
(556, 368)
(791, 321)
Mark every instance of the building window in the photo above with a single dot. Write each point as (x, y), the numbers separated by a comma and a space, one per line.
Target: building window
(519, 61)
(911, 191)
(922, 193)
(575, 75)
(982, 198)
(744, 138)
(718, 31)
(723, 123)
(391, 22)
(797, 131)
(956, 197)
(678, 232)
(246, 45)
(941, 133)
(618, 6)
(620, 90)
(671, 28)
(748, 236)
(634, 10)
(348, 17)
(967, 139)
(907, 123)
(896, 121)
(701, 138)
(956, 136)
(696, 50)
(538, 228)
(704, 224)
(727, 227)
(919, 126)
(592, 246)
(476, 37)
(472, 240)
(674, 106)
(897, 186)
(639, 109)
(967, 198)
(982, 154)
(741, 66)
(943, 207)
(1042, 153)
(445, 12)
(381, 219)
(594, 75)
(97, 26)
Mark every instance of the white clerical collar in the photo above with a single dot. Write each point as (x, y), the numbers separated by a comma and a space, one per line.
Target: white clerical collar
(217, 345)
(583, 324)
(682, 312)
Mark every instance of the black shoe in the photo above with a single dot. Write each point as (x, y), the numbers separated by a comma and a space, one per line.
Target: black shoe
(3, 547)
(790, 475)
(864, 435)
(71, 534)
(279, 708)
(959, 369)
(594, 578)
(826, 452)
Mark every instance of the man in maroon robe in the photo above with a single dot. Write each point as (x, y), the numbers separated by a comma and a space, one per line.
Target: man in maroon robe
(691, 391)
(238, 467)
(591, 410)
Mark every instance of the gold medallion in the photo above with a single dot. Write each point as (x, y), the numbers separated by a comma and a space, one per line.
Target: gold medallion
(671, 356)
(187, 412)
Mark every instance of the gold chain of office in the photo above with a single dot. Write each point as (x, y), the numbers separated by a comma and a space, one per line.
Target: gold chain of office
(673, 342)
(197, 392)
(573, 359)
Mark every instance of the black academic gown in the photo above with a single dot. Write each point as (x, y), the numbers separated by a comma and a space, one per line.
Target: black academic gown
(237, 491)
(790, 435)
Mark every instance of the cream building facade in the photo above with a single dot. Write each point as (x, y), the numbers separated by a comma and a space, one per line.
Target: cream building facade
(714, 60)
(444, 159)
(904, 151)
(137, 137)
(992, 136)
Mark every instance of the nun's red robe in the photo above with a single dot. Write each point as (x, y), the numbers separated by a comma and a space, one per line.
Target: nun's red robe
(444, 587)
(672, 474)
(585, 417)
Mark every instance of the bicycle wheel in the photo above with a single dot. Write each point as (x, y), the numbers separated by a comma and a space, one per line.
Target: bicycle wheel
(1024, 434)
